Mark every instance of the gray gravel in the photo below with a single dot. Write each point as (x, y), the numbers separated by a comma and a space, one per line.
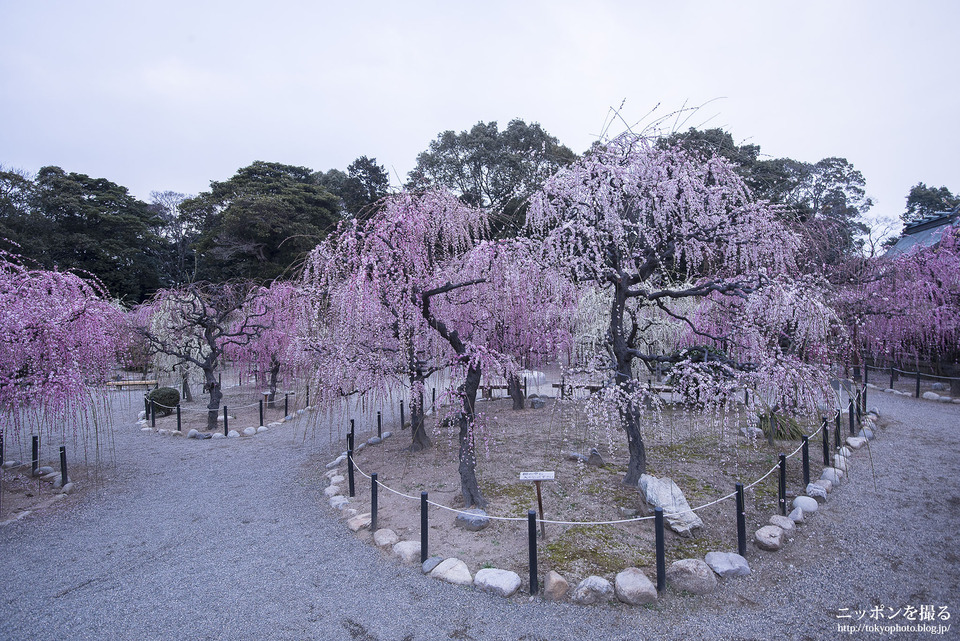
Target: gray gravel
(233, 540)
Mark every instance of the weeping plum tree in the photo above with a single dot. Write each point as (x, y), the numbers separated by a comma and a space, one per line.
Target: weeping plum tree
(196, 323)
(911, 308)
(268, 351)
(413, 290)
(58, 338)
(668, 236)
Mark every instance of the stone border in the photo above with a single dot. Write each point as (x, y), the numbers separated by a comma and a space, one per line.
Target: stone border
(928, 396)
(631, 586)
(46, 474)
(143, 422)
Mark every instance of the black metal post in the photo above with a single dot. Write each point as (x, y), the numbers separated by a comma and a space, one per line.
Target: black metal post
(857, 408)
(153, 413)
(826, 443)
(379, 425)
(891, 377)
(836, 431)
(260, 403)
(353, 432)
(350, 471)
(179, 420)
(35, 457)
(850, 414)
(286, 404)
(63, 465)
(349, 441)
(373, 502)
(423, 527)
(525, 394)
(402, 420)
(226, 421)
(917, 394)
(433, 393)
(308, 396)
(782, 489)
(741, 522)
(146, 406)
(805, 458)
(532, 543)
(561, 387)
(661, 550)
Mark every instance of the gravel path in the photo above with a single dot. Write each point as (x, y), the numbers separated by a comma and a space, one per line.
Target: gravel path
(231, 540)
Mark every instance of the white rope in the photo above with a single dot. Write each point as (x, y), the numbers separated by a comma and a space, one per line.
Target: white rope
(552, 522)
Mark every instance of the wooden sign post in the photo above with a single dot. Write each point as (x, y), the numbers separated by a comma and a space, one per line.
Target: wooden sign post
(536, 477)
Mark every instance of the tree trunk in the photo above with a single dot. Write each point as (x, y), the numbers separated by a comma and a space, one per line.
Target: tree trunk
(469, 487)
(274, 375)
(638, 451)
(185, 387)
(629, 418)
(213, 407)
(515, 390)
(418, 431)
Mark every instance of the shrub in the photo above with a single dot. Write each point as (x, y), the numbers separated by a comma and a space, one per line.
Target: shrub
(166, 399)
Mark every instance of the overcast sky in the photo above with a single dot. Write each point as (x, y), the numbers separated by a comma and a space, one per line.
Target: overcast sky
(171, 95)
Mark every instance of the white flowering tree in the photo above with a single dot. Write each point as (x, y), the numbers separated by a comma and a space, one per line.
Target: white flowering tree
(667, 236)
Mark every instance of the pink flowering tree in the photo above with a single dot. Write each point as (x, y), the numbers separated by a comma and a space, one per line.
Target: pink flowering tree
(414, 290)
(669, 238)
(197, 323)
(910, 308)
(58, 340)
(268, 352)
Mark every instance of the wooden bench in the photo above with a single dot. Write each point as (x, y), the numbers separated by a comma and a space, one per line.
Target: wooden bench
(486, 391)
(131, 384)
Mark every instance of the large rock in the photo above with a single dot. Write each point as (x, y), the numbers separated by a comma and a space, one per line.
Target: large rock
(331, 490)
(249, 431)
(805, 503)
(473, 519)
(592, 589)
(408, 551)
(817, 492)
(665, 493)
(856, 442)
(452, 571)
(360, 522)
(832, 474)
(769, 537)
(634, 588)
(825, 484)
(555, 587)
(339, 502)
(782, 522)
(428, 565)
(796, 515)
(727, 564)
(385, 538)
(595, 460)
(841, 463)
(537, 403)
(931, 396)
(692, 575)
(500, 582)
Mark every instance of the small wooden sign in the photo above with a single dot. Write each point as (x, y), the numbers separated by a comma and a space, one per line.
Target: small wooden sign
(537, 476)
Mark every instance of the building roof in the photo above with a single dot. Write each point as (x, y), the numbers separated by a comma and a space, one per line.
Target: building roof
(925, 232)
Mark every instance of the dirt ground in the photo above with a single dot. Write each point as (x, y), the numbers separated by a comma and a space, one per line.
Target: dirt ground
(703, 458)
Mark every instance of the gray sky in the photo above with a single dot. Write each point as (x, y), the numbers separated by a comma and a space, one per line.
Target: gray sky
(174, 94)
